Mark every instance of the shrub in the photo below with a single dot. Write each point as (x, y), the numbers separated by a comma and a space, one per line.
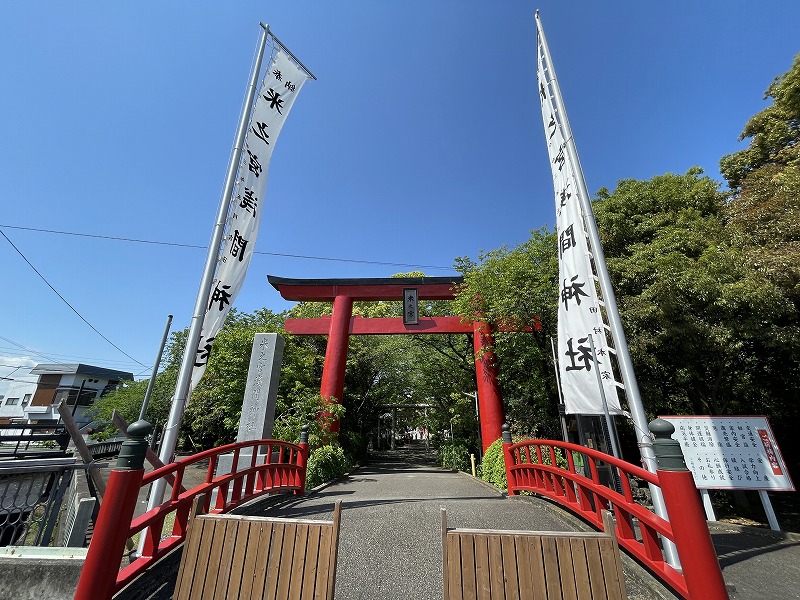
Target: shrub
(355, 447)
(326, 463)
(493, 466)
(453, 455)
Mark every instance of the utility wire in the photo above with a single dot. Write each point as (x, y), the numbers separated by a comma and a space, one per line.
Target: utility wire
(32, 351)
(179, 245)
(67, 303)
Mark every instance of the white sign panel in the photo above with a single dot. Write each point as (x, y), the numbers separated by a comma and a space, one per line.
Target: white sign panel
(731, 453)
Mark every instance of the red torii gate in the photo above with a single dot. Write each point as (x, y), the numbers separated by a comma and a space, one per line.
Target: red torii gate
(341, 324)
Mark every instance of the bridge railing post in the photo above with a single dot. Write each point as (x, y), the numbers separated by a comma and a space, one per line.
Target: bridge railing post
(302, 459)
(509, 460)
(696, 551)
(99, 575)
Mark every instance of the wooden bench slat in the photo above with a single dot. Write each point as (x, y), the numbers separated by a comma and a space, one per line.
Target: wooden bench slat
(312, 558)
(234, 557)
(521, 565)
(496, 567)
(580, 568)
(535, 567)
(273, 560)
(552, 572)
(468, 589)
(323, 567)
(226, 560)
(454, 566)
(595, 565)
(239, 558)
(298, 561)
(215, 554)
(482, 570)
(566, 569)
(187, 567)
(286, 560)
(510, 568)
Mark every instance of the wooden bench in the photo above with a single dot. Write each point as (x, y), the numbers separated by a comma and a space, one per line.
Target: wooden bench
(485, 564)
(232, 556)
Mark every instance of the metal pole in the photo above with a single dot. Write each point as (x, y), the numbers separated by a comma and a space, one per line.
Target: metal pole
(643, 438)
(170, 435)
(562, 405)
(152, 381)
(609, 423)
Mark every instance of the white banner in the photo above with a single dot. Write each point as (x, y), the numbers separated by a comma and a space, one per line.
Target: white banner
(580, 309)
(280, 86)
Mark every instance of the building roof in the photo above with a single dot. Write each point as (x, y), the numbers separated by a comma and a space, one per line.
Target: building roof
(80, 369)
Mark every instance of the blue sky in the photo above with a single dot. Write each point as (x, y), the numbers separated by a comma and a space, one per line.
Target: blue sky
(421, 140)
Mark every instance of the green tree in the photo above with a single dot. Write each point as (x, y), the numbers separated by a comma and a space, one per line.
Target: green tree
(774, 132)
(703, 328)
(516, 288)
(764, 212)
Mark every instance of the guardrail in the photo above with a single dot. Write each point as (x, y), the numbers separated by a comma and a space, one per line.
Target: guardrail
(533, 466)
(282, 468)
(31, 495)
(25, 440)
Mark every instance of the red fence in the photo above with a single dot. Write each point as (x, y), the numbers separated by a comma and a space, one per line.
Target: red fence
(271, 467)
(548, 468)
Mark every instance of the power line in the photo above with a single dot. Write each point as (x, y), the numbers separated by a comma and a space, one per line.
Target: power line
(8, 351)
(179, 245)
(18, 345)
(65, 300)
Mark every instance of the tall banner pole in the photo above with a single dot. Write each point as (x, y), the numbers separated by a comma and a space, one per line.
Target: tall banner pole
(561, 408)
(178, 407)
(643, 438)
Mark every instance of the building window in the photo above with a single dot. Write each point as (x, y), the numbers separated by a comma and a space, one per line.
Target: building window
(26, 399)
(12, 401)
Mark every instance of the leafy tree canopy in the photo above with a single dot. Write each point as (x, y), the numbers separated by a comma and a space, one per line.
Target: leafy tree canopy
(774, 132)
(702, 326)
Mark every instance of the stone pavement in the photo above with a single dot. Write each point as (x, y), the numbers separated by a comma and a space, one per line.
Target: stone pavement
(390, 545)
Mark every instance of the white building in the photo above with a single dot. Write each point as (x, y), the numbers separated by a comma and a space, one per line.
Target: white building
(15, 397)
(78, 384)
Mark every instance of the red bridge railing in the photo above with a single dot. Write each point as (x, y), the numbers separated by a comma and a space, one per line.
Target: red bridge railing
(270, 466)
(548, 468)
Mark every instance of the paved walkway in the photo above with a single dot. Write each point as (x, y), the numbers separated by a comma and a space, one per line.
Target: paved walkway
(758, 563)
(390, 545)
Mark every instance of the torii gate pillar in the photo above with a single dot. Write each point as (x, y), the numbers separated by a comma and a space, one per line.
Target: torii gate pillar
(332, 385)
(341, 324)
(490, 402)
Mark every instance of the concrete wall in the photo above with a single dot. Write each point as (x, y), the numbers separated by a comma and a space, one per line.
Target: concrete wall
(30, 573)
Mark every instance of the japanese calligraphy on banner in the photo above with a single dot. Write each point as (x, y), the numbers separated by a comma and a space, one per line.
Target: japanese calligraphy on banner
(731, 453)
(580, 309)
(281, 85)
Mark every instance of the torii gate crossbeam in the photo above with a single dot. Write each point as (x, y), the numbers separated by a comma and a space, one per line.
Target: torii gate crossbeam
(341, 324)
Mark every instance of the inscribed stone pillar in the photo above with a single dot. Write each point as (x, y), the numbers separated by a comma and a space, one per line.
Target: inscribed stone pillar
(261, 392)
(260, 396)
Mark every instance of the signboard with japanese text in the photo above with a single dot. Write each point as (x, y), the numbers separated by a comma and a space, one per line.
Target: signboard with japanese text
(731, 453)
(410, 306)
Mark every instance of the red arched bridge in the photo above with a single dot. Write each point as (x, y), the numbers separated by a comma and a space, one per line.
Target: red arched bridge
(543, 467)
